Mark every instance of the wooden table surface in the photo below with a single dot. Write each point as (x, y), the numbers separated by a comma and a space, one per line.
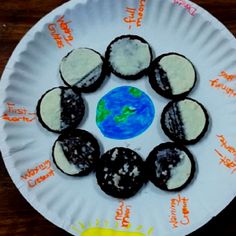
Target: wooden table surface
(17, 217)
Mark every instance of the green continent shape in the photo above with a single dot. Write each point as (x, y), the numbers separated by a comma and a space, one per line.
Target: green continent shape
(102, 112)
(135, 92)
(126, 113)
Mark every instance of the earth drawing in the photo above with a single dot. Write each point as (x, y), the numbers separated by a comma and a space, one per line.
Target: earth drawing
(125, 112)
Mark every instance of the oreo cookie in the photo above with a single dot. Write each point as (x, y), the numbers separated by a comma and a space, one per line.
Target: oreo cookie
(185, 121)
(172, 75)
(120, 172)
(129, 57)
(60, 108)
(76, 152)
(170, 166)
(83, 69)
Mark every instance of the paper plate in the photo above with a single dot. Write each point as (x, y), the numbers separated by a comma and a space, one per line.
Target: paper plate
(77, 204)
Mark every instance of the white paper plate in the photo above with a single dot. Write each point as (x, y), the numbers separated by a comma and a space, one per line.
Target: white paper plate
(78, 205)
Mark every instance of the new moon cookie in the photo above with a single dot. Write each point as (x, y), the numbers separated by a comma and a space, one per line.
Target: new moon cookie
(76, 152)
(184, 121)
(84, 69)
(60, 108)
(120, 172)
(170, 166)
(172, 75)
(129, 57)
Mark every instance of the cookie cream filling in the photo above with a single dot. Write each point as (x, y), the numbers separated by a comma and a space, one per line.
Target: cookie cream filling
(193, 118)
(180, 173)
(81, 67)
(50, 109)
(62, 162)
(129, 56)
(180, 73)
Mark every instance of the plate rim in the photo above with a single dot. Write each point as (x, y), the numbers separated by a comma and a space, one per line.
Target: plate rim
(28, 37)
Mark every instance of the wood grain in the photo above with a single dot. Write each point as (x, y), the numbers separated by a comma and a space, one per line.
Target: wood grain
(17, 217)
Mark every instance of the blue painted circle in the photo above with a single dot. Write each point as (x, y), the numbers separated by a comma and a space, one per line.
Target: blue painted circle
(125, 112)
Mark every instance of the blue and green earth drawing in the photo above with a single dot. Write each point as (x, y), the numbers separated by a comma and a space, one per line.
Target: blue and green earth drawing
(125, 112)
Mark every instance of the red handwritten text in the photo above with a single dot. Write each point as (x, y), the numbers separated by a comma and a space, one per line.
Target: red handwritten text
(30, 174)
(135, 15)
(64, 35)
(15, 114)
(216, 83)
(226, 146)
(227, 76)
(182, 203)
(123, 214)
(228, 162)
(191, 10)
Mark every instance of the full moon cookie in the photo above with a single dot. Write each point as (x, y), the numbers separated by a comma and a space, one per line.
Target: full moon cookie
(120, 172)
(76, 152)
(170, 166)
(60, 108)
(184, 121)
(129, 57)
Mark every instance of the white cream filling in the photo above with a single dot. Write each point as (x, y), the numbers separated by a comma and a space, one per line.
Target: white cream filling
(193, 118)
(180, 173)
(135, 172)
(129, 57)
(114, 154)
(116, 180)
(62, 161)
(180, 73)
(91, 78)
(79, 64)
(50, 109)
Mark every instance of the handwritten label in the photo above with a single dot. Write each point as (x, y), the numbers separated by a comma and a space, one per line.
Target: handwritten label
(38, 174)
(123, 214)
(61, 32)
(217, 84)
(179, 212)
(189, 8)
(16, 114)
(135, 15)
(228, 162)
(228, 77)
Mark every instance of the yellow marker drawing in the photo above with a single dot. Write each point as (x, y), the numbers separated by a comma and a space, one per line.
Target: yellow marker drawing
(75, 229)
(97, 222)
(128, 227)
(81, 225)
(139, 227)
(150, 231)
(106, 223)
(98, 230)
(109, 232)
